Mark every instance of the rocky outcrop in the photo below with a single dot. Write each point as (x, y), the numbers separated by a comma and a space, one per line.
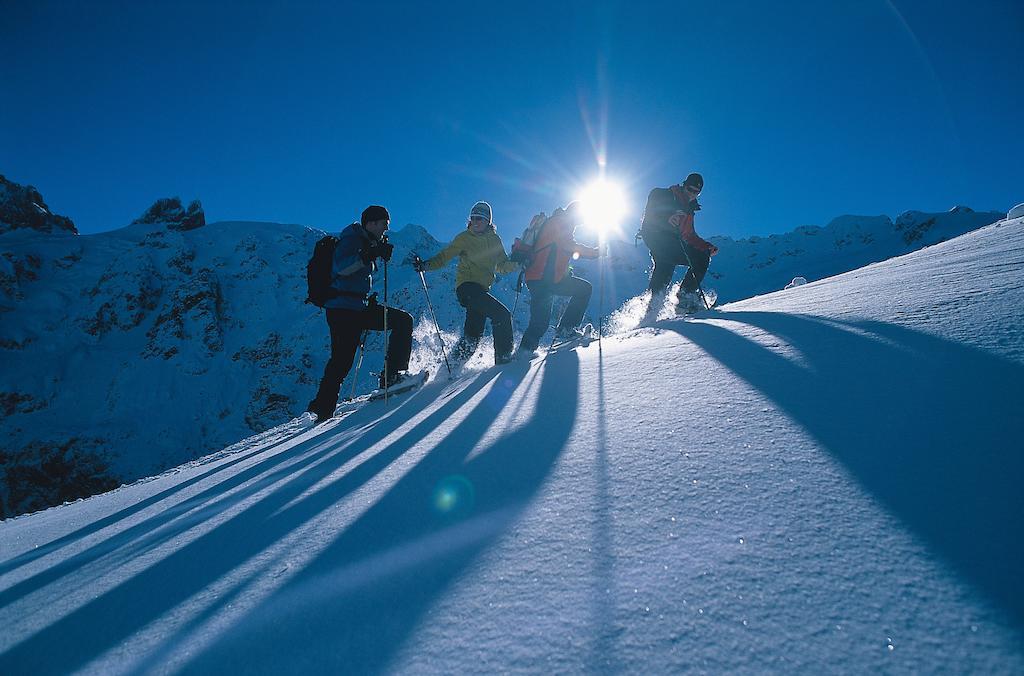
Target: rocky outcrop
(120, 306)
(193, 315)
(46, 473)
(23, 208)
(169, 211)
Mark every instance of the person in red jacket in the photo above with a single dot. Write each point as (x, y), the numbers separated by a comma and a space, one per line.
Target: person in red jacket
(667, 230)
(548, 275)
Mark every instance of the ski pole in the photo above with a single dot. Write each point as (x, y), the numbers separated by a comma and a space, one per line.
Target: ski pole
(689, 263)
(519, 289)
(600, 294)
(423, 280)
(387, 342)
(359, 362)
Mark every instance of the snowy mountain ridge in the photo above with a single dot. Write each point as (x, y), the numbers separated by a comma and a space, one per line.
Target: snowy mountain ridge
(134, 350)
(815, 480)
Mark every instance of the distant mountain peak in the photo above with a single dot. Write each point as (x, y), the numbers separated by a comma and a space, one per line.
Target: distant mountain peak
(415, 237)
(412, 229)
(168, 210)
(23, 208)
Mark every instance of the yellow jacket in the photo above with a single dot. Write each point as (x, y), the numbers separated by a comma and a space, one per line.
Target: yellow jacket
(479, 257)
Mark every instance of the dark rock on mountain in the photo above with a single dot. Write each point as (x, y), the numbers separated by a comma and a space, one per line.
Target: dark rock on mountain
(169, 210)
(23, 208)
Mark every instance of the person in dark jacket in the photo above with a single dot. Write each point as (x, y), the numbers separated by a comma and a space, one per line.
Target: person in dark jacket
(667, 230)
(352, 311)
(549, 275)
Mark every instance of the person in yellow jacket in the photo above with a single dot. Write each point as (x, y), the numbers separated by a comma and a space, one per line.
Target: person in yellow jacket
(481, 254)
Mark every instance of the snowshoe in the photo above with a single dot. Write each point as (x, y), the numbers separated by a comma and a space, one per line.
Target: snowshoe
(573, 337)
(401, 383)
(694, 301)
(526, 354)
(308, 419)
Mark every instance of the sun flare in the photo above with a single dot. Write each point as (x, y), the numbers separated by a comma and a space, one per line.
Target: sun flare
(604, 203)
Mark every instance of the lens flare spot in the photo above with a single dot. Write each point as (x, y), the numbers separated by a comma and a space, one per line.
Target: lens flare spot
(453, 495)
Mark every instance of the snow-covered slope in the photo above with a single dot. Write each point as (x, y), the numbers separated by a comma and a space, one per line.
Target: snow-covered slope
(757, 265)
(824, 479)
(127, 352)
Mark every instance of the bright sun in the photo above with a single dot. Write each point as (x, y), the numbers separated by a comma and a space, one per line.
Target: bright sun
(604, 204)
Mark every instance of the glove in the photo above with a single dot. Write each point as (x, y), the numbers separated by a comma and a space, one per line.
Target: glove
(416, 262)
(713, 250)
(382, 249)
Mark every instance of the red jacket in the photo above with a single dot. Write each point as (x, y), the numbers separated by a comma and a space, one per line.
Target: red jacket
(555, 246)
(673, 209)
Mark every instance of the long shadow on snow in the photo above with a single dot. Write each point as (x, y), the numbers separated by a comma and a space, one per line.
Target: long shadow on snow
(351, 610)
(170, 522)
(931, 427)
(127, 512)
(111, 618)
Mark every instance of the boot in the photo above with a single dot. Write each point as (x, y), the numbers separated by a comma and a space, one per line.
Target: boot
(393, 379)
(463, 350)
(689, 302)
(568, 334)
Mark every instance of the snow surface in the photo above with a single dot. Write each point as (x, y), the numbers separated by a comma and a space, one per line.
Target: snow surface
(826, 479)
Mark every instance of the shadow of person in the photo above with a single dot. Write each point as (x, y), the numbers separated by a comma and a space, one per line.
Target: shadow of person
(352, 608)
(222, 494)
(145, 533)
(125, 513)
(245, 521)
(930, 427)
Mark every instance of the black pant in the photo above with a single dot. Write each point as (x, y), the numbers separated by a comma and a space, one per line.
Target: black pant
(542, 293)
(669, 250)
(346, 327)
(480, 306)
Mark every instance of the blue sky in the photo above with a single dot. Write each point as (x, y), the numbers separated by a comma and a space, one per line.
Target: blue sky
(795, 112)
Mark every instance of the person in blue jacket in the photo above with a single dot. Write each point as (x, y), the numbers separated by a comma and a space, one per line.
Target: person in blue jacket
(352, 310)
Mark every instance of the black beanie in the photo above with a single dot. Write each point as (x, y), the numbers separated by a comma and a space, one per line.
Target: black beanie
(374, 212)
(696, 180)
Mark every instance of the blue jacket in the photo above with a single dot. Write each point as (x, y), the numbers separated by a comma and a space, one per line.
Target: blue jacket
(356, 286)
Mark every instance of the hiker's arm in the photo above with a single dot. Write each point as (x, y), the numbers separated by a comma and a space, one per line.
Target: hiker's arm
(586, 251)
(583, 250)
(687, 233)
(347, 260)
(445, 255)
(505, 265)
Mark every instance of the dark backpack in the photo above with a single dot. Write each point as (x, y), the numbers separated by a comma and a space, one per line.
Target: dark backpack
(319, 271)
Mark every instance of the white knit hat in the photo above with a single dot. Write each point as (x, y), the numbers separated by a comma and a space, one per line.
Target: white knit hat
(482, 209)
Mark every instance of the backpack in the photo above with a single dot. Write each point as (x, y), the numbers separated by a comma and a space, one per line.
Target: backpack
(319, 271)
(524, 248)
